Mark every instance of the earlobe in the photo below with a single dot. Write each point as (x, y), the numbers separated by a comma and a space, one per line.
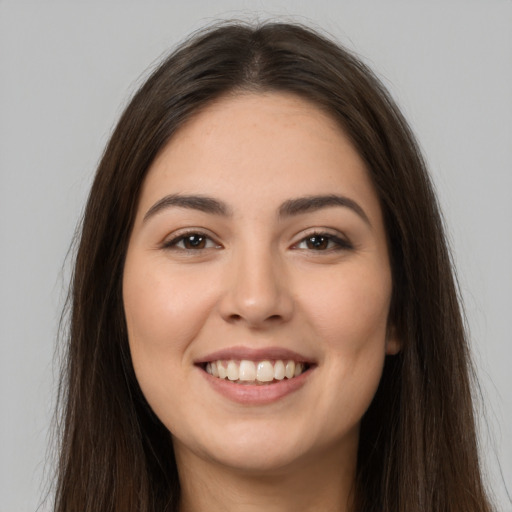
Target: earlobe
(393, 343)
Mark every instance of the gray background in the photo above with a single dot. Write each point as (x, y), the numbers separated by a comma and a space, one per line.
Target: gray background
(67, 69)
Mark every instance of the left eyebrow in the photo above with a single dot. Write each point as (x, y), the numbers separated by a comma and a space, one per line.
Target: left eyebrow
(308, 204)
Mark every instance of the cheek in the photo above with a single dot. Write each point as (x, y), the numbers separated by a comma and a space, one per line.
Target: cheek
(157, 304)
(164, 313)
(349, 313)
(350, 309)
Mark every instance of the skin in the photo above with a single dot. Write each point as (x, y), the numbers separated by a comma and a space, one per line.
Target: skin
(259, 282)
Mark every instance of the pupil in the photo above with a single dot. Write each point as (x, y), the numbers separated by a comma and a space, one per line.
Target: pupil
(318, 242)
(195, 241)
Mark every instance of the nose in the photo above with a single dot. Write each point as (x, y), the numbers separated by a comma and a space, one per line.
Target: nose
(257, 291)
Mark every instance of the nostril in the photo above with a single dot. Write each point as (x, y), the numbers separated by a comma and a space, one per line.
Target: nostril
(235, 317)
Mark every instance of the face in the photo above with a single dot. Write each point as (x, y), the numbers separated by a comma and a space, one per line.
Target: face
(257, 286)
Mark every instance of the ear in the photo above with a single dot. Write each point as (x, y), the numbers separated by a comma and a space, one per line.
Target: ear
(393, 343)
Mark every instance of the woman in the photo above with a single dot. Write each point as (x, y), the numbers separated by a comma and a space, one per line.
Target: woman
(263, 311)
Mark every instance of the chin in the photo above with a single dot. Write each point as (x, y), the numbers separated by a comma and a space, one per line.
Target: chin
(254, 459)
(264, 448)
(245, 446)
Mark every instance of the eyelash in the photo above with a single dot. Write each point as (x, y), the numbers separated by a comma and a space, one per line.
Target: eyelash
(340, 244)
(182, 237)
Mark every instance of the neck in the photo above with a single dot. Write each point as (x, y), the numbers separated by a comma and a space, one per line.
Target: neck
(324, 482)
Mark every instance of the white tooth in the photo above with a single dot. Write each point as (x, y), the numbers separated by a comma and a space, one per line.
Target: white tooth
(290, 369)
(232, 370)
(209, 368)
(265, 372)
(298, 369)
(279, 370)
(222, 371)
(215, 371)
(247, 370)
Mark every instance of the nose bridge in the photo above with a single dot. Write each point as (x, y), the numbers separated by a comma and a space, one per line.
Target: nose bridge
(258, 290)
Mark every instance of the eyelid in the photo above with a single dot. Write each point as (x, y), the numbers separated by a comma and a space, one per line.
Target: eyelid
(171, 241)
(341, 240)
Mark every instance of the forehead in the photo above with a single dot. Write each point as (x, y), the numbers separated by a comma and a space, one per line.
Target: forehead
(259, 149)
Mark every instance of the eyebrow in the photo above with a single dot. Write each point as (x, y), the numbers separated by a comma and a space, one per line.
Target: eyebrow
(313, 203)
(202, 203)
(289, 208)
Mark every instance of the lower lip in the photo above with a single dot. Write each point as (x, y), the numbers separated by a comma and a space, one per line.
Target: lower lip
(248, 394)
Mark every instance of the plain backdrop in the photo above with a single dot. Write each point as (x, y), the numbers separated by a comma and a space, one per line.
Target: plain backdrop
(68, 68)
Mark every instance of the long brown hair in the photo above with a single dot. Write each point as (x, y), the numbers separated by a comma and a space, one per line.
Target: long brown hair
(418, 447)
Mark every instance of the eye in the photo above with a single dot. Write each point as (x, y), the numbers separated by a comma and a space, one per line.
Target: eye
(323, 242)
(192, 241)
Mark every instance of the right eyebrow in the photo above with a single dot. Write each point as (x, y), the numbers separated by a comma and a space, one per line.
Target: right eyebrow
(194, 202)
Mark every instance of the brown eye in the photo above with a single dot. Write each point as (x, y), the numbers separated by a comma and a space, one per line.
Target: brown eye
(191, 242)
(317, 242)
(194, 242)
(324, 242)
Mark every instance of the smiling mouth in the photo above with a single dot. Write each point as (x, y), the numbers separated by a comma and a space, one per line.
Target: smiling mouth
(249, 372)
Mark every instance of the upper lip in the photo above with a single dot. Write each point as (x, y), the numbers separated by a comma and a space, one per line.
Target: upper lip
(254, 354)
